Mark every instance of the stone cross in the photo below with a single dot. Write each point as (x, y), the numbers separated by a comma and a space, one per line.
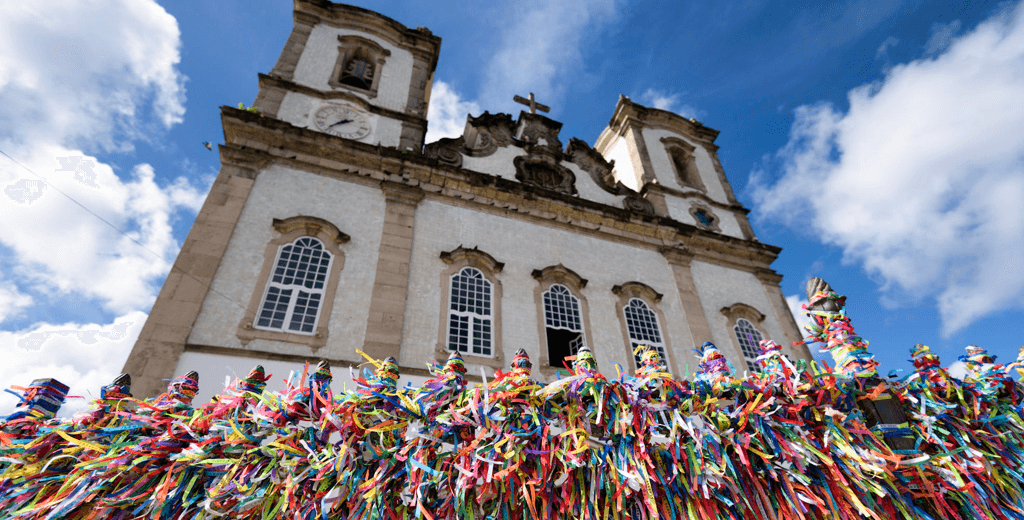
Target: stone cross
(532, 103)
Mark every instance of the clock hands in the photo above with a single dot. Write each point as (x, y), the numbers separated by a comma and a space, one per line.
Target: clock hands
(343, 121)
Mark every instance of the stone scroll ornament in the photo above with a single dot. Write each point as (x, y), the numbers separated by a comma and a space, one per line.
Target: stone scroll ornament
(831, 329)
(787, 443)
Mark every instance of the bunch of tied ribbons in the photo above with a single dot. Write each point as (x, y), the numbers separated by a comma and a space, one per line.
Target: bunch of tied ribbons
(791, 441)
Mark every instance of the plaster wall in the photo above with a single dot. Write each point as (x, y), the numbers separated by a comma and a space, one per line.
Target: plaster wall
(300, 109)
(720, 287)
(501, 164)
(321, 52)
(498, 163)
(589, 190)
(523, 247)
(679, 209)
(281, 192)
(666, 173)
(623, 171)
(217, 370)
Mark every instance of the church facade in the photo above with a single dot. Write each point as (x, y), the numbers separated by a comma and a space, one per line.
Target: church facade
(333, 230)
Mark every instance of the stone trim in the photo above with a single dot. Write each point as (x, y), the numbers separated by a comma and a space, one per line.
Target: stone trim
(293, 48)
(312, 226)
(270, 82)
(334, 157)
(696, 206)
(640, 156)
(289, 230)
(676, 147)
(632, 289)
(793, 336)
(385, 324)
(742, 310)
(546, 277)
(627, 113)
(732, 314)
(349, 46)
(456, 260)
(712, 150)
(419, 41)
(161, 342)
(679, 261)
(652, 298)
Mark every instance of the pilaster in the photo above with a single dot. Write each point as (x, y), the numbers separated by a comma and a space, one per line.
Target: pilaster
(640, 157)
(679, 260)
(162, 340)
(391, 282)
(787, 323)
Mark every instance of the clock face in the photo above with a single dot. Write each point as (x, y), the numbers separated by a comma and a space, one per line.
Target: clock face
(342, 121)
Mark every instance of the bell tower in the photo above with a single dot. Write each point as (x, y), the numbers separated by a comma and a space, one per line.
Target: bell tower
(353, 73)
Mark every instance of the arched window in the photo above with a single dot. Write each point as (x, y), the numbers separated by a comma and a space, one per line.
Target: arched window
(641, 320)
(681, 155)
(643, 328)
(470, 317)
(749, 338)
(295, 292)
(562, 324)
(358, 72)
(359, 65)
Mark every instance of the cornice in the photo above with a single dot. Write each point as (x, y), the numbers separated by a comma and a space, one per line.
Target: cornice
(627, 114)
(473, 256)
(268, 81)
(312, 225)
(661, 188)
(419, 41)
(323, 154)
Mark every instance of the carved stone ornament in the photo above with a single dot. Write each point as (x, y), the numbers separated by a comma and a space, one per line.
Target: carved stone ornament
(592, 162)
(544, 171)
(637, 204)
(816, 285)
(446, 151)
(486, 133)
(540, 131)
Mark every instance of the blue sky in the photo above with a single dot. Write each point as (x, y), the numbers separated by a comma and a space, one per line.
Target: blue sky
(879, 143)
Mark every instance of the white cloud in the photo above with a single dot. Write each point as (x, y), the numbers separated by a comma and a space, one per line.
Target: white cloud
(83, 356)
(79, 75)
(540, 49)
(61, 248)
(921, 180)
(447, 113)
(78, 72)
(665, 101)
(794, 301)
(78, 79)
(942, 35)
(12, 301)
(883, 49)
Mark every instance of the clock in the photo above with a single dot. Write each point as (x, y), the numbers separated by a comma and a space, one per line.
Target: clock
(342, 121)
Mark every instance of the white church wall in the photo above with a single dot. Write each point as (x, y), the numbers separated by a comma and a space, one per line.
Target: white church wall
(300, 110)
(499, 163)
(589, 190)
(523, 247)
(666, 173)
(720, 287)
(624, 172)
(281, 192)
(321, 52)
(679, 209)
(216, 370)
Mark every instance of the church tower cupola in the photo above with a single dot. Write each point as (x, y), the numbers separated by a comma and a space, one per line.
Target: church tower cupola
(353, 73)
